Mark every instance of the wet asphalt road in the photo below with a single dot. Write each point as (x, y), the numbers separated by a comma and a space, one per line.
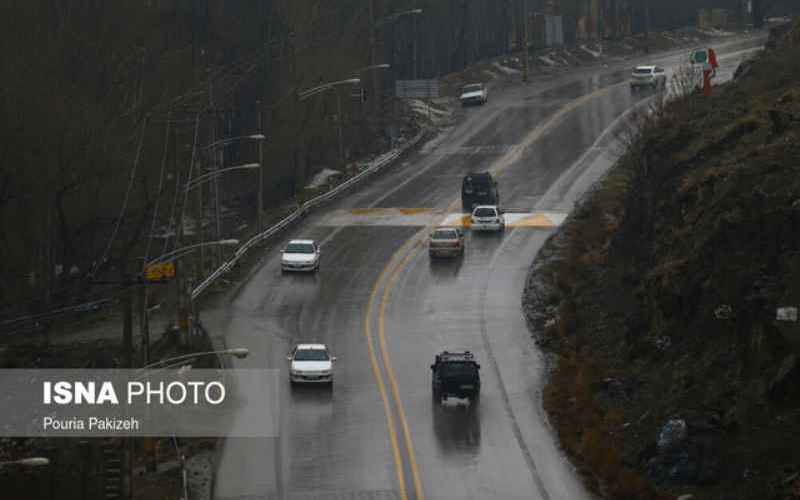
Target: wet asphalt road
(385, 309)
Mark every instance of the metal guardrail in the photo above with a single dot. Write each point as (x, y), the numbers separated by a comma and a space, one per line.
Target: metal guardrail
(306, 207)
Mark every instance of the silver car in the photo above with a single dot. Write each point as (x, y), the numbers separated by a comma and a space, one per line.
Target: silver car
(653, 77)
(446, 241)
(487, 218)
(300, 255)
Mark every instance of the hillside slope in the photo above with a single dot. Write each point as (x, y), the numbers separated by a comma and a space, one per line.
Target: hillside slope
(658, 299)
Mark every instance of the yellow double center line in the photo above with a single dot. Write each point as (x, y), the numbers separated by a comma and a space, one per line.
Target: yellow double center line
(398, 460)
(501, 164)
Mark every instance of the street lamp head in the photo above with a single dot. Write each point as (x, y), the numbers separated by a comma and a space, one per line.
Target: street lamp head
(257, 137)
(227, 243)
(382, 66)
(239, 352)
(352, 81)
(33, 461)
(416, 11)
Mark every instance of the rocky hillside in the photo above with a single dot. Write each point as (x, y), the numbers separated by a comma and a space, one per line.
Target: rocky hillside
(659, 299)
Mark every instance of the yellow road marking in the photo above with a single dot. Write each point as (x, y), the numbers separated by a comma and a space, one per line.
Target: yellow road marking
(503, 163)
(392, 380)
(367, 211)
(398, 462)
(414, 211)
(537, 220)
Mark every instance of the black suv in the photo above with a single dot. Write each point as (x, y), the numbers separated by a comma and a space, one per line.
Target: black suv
(478, 189)
(456, 374)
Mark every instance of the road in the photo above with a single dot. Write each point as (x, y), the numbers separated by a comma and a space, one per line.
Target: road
(385, 309)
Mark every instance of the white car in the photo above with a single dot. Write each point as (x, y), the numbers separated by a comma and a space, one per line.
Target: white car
(300, 255)
(487, 218)
(311, 363)
(474, 93)
(648, 76)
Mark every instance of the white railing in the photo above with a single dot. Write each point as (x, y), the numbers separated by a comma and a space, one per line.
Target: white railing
(376, 165)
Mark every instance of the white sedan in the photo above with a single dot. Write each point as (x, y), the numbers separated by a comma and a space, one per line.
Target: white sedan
(311, 363)
(300, 255)
(487, 218)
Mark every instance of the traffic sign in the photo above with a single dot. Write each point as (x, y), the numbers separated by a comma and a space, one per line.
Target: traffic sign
(417, 89)
(161, 271)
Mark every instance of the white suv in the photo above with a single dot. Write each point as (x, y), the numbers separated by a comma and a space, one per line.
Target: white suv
(311, 364)
(474, 93)
(648, 76)
(487, 218)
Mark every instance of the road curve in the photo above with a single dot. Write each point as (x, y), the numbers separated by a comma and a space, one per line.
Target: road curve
(385, 309)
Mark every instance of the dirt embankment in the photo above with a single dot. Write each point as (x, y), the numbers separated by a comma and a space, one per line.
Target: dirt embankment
(658, 299)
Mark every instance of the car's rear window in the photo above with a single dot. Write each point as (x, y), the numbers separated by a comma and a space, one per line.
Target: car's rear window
(643, 71)
(472, 88)
(444, 234)
(310, 355)
(300, 248)
(485, 212)
(477, 180)
(456, 369)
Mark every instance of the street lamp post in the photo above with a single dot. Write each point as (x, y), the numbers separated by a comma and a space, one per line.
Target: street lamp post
(381, 23)
(27, 462)
(213, 147)
(182, 306)
(147, 371)
(237, 352)
(307, 94)
(260, 198)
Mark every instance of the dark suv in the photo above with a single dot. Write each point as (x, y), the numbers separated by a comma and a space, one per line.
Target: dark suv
(456, 374)
(478, 189)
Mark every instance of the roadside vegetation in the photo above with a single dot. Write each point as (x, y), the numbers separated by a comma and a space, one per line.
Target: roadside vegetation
(658, 298)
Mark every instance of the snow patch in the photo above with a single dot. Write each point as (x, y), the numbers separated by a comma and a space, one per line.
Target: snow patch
(505, 69)
(322, 178)
(424, 109)
(591, 52)
(435, 142)
(547, 60)
(714, 32)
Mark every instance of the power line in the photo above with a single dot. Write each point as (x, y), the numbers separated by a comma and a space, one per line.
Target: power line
(125, 200)
(160, 187)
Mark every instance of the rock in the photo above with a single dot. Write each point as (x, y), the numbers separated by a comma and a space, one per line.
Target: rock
(784, 379)
(743, 69)
(663, 343)
(672, 436)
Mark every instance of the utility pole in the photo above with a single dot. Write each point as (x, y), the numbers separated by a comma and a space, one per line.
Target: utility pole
(372, 29)
(144, 324)
(526, 69)
(261, 167)
(127, 319)
(416, 32)
(339, 120)
(183, 312)
(127, 346)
